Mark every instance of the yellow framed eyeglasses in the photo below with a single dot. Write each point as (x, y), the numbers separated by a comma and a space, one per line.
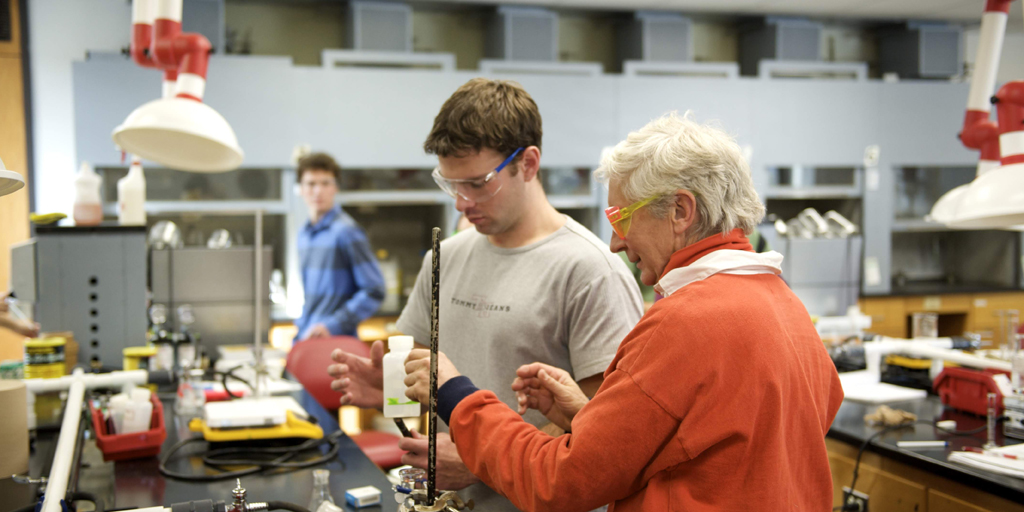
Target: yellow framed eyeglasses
(620, 218)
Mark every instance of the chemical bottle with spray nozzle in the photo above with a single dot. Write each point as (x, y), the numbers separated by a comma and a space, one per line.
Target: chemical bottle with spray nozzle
(131, 196)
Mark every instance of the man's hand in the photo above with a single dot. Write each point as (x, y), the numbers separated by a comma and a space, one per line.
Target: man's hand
(452, 474)
(22, 327)
(361, 380)
(417, 374)
(317, 331)
(551, 391)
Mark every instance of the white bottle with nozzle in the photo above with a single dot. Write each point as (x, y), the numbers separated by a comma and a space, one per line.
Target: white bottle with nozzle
(88, 210)
(396, 404)
(131, 196)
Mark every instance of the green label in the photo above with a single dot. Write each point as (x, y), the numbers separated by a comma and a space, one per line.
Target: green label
(394, 401)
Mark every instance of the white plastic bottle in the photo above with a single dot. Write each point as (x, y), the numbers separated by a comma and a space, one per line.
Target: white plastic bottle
(131, 196)
(396, 404)
(88, 209)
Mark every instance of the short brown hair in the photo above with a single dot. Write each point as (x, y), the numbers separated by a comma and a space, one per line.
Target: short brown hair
(318, 162)
(483, 113)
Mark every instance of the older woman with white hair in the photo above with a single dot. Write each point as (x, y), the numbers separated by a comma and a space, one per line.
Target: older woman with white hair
(718, 399)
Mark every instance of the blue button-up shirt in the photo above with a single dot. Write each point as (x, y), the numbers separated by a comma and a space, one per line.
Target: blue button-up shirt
(343, 284)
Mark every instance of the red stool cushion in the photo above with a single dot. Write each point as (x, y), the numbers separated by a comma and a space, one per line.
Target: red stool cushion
(381, 447)
(308, 361)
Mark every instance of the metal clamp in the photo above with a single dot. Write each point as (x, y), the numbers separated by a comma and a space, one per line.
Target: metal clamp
(25, 479)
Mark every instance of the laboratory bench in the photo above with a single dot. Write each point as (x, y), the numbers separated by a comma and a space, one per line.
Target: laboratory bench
(920, 479)
(138, 483)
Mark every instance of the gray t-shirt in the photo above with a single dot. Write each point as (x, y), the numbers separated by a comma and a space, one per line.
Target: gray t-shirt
(566, 301)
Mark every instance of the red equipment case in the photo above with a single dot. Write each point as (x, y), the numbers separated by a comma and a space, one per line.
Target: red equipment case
(967, 389)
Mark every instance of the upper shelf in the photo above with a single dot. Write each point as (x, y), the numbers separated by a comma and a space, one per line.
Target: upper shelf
(819, 192)
(380, 197)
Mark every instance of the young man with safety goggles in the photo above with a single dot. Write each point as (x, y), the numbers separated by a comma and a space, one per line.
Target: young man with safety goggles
(527, 285)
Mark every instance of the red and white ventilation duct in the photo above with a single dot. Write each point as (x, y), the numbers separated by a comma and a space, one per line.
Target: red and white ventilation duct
(158, 42)
(178, 130)
(995, 199)
(979, 131)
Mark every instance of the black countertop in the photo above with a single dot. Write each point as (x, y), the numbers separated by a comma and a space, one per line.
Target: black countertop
(138, 483)
(850, 428)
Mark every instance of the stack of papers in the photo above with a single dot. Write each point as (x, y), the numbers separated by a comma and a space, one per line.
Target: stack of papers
(993, 460)
(865, 386)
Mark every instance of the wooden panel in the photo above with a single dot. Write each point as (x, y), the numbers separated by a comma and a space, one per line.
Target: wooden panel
(888, 315)
(952, 495)
(939, 502)
(939, 304)
(13, 207)
(886, 492)
(12, 47)
(984, 318)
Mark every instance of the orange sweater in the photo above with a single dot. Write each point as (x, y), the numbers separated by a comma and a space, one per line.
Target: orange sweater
(719, 399)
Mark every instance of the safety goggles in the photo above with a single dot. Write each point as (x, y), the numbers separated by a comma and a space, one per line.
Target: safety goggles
(620, 218)
(477, 190)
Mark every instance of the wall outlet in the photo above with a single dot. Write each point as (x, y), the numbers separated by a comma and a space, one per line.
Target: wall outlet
(856, 501)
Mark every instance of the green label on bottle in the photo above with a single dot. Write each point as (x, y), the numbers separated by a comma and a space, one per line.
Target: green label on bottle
(394, 401)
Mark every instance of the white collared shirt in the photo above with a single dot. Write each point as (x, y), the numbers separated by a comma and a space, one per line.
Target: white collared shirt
(723, 261)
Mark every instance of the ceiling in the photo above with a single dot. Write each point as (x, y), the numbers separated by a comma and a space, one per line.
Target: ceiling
(958, 10)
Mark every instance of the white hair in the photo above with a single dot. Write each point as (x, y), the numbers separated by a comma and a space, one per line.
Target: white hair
(674, 152)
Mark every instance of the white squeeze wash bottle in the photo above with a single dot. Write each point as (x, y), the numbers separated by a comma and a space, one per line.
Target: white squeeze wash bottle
(396, 404)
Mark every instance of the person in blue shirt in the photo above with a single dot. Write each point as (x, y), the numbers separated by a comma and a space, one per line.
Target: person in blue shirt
(342, 282)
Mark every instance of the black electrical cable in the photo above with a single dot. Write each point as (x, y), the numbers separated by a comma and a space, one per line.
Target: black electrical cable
(284, 505)
(864, 445)
(258, 459)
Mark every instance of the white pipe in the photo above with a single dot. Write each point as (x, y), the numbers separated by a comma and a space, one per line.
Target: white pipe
(931, 348)
(60, 471)
(90, 381)
(168, 10)
(190, 84)
(986, 166)
(168, 89)
(986, 64)
(143, 12)
(850, 324)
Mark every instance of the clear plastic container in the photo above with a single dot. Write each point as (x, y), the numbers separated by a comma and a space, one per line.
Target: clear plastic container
(88, 210)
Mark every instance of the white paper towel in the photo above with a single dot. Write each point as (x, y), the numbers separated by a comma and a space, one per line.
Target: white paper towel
(13, 428)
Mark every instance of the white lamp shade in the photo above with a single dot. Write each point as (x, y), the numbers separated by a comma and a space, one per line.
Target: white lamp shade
(10, 181)
(181, 134)
(945, 208)
(993, 200)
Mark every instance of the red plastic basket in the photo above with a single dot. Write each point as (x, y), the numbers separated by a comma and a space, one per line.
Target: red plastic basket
(130, 446)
